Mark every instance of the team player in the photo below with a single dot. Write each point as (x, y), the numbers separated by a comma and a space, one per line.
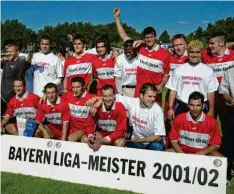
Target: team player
(103, 66)
(219, 58)
(189, 77)
(154, 61)
(125, 70)
(82, 123)
(53, 115)
(112, 120)
(195, 132)
(80, 64)
(47, 67)
(146, 118)
(227, 90)
(23, 105)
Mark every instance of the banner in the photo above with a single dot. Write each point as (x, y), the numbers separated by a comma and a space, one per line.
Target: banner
(141, 171)
(26, 127)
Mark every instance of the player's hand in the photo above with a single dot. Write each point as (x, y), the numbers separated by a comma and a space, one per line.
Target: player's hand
(137, 43)
(90, 141)
(116, 12)
(171, 114)
(97, 144)
(93, 111)
(200, 153)
(91, 101)
(42, 99)
(159, 88)
(3, 129)
(134, 140)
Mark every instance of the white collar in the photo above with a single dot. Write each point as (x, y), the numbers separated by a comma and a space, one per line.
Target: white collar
(83, 95)
(23, 97)
(189, 117)
(156, 48)
(104, 108)
(226, 52)
(57, 101)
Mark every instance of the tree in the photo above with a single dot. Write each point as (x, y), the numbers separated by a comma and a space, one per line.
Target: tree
(164, 37)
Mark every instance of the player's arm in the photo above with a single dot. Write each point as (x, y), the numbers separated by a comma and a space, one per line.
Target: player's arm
(230, 45)
(121, 31)
(208, 150)
(4, 122)
(176, 147)
(172, 97)
(46, 133)
(65, 131)
(211, 100)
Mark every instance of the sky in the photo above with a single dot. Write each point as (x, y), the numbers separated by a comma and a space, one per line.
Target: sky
(175, 17)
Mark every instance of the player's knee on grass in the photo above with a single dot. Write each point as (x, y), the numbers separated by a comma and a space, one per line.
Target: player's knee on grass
(119, 142)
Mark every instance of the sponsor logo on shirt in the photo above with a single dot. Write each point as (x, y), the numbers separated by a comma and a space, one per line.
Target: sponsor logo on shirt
(220, 68)
(108, 125)
(79, 111)
(151, 64)
(83, 68)
(25, 112)
(54, 118)
(105, 73)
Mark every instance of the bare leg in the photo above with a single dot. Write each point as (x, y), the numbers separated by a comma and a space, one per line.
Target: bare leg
(10, 128)
(76, 136)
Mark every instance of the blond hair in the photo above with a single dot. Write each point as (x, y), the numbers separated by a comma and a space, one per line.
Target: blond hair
(195, 43)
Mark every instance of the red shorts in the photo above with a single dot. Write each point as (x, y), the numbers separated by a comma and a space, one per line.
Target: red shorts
(73, 130)
(56, 133)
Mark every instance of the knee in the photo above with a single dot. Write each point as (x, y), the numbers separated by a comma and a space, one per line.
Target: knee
(71, 138)
(157, 145)
(119, 142)
(84, 139)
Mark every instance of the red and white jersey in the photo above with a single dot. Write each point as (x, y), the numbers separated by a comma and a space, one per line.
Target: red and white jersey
(114, 121)
(103, 71)
(25, 107)
(55, 115)
(219, 64)
(81, 119)
(79, 66)
(187, 78)
(145, 121)
(47, 68)
(153, 64)
(125, 70)
(176, 61)
(193, 137)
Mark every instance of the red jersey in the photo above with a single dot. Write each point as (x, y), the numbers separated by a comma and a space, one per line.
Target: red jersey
(103, 71)
(194, 137)
(153, 64)
(25, 107)
(81, 118)
(217, 63)
(175, 61)
(112, 123)
(55, 115)
(79, 66)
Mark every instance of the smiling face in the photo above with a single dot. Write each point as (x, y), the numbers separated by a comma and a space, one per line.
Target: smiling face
(78, 46)
(148, 98)
(51, 95)
(194, 55)
(150, 40)
(215, 45)
(179, 46)
(101, 49)
(19, 88)
(108, 97)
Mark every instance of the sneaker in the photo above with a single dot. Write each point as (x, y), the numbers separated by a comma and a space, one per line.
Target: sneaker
(228, 183)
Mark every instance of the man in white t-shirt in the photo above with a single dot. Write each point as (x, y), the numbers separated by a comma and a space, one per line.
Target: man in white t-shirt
(47, 67)
(190, 77)
(125, 70)
(145, 116)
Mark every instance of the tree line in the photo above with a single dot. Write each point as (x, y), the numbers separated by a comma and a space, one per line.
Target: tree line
(14, 29)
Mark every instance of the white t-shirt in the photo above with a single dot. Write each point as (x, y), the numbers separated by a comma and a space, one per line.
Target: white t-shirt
(145, 121)
(47, 68)
(126, 70)
(187, 78)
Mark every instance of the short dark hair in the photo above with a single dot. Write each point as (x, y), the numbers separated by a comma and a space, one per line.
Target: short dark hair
(61, 50)
(147, 86)
(45, 37)
(104, 39)
(50, 85)
(128, 42)
(78, 79)
(196, 96)
(20, 79)
(178, 36)
(79, 37)
(9, 42)
(107, 87)
(149, 30)
(220, 35)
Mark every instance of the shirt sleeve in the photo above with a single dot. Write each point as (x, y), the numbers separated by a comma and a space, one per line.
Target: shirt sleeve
(215, 138)
(173, 81)
(159, 126)
(65, 113)
(36, 100)
(125, 100)
(224, 85)
(174, 134)
(166, 65)
(40, 114)
(59, 68)
(10, 108)
(118, 70)
(120, 129)
(212, 83)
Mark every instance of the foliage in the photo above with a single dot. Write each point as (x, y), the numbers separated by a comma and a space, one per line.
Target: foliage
(164, 37)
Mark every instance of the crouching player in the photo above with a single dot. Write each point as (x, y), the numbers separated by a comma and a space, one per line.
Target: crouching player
(195, 132)
(55, 113)
(23, 105)
(112, 120)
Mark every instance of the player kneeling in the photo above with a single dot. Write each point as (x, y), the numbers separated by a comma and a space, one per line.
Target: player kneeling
(55, 113)
(112, 120)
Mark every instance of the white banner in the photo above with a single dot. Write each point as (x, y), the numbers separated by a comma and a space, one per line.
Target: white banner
(141, 171)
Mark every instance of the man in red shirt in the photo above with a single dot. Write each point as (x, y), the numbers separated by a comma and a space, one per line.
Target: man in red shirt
(112, 120)
(219, 58)
(195, 132)
(55, 112)
(154, 62)
(23, 105)
(80, 64)
(82, 123)
(103, 66)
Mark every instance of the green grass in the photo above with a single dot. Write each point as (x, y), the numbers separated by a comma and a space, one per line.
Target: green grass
(22, 184)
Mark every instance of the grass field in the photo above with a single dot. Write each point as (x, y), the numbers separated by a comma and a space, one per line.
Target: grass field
(21, 184)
